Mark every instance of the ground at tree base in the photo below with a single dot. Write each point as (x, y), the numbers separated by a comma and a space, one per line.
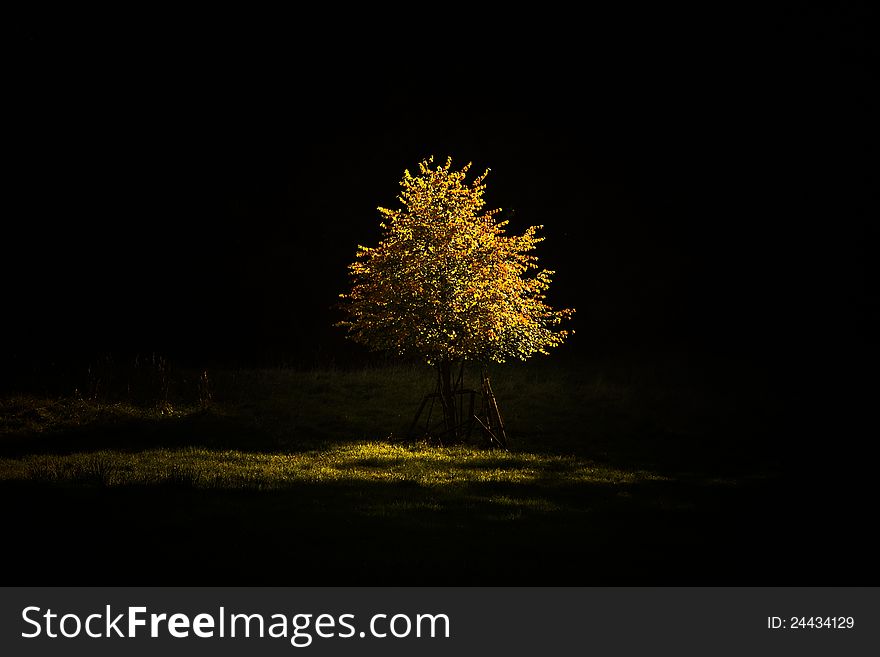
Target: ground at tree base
(294, 478)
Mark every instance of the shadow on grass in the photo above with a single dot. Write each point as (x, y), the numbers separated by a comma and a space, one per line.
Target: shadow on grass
(375, 533)
(133, 434)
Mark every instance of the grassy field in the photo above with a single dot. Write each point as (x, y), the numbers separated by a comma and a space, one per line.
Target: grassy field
(304, 477)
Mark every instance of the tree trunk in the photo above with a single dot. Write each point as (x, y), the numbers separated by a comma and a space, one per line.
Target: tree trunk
(447, 400)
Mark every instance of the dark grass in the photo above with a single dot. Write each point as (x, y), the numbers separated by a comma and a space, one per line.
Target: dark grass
(626, 476)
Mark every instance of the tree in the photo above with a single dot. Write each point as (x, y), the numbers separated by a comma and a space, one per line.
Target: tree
(447, 285)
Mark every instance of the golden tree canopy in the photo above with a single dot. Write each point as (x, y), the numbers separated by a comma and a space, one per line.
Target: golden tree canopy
(445, 282)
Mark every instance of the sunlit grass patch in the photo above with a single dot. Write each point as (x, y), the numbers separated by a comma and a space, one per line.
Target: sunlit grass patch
(353, 463)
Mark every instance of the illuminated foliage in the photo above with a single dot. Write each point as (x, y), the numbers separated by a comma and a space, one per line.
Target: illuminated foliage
(446, 283)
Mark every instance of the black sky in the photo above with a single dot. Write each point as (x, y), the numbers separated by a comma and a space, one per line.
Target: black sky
(200, 191)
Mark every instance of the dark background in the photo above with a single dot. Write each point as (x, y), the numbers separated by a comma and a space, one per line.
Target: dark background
(197, 187)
